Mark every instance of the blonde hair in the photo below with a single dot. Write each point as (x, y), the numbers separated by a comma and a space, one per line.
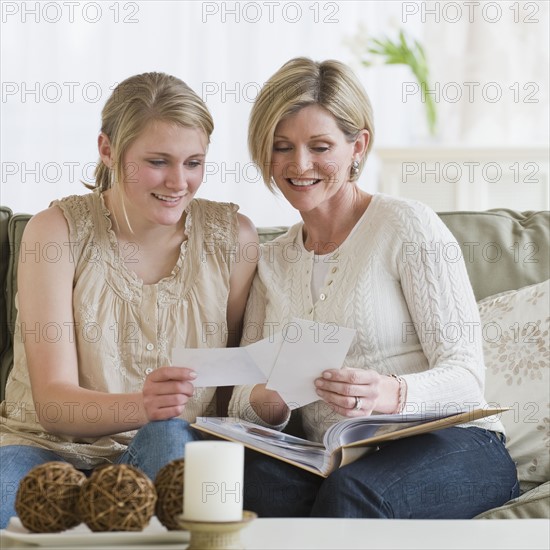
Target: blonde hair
(301, 82)
(135, 103)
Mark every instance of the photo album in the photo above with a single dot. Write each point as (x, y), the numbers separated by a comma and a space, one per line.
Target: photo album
(343, 442)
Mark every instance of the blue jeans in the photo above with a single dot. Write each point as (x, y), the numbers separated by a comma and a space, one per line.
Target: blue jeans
(153, 446)
(451, 473)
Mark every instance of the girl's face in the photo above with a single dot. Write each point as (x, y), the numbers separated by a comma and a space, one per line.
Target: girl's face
(163, 170)
(311, 157)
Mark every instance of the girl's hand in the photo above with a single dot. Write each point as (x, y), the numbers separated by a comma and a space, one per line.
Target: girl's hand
(351, 392)
(166, 391)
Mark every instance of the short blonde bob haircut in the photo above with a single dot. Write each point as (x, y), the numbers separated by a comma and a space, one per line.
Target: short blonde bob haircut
(135, 103)
(301, 82)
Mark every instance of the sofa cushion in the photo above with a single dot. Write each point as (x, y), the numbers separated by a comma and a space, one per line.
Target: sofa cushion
(15, 233)
(15, 228)
(267, 234)
(5, 215)
(531, 505)
(516, 327)
(502, 249)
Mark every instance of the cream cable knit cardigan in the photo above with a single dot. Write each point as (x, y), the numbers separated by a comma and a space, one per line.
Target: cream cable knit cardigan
(401, 282)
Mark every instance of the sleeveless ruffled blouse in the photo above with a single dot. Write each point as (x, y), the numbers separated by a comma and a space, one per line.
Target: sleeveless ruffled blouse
(123, 328)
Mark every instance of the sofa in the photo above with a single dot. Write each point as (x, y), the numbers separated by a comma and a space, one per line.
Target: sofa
(507, 257)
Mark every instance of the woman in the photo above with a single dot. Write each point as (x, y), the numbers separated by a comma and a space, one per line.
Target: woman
(367, 262)
(144, 265)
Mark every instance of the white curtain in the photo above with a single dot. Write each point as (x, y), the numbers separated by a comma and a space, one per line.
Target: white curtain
(60, 61)
(490, 62)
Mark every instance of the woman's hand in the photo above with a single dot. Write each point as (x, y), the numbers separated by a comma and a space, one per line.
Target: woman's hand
(269, 405)
(358, 392)
(166, 391)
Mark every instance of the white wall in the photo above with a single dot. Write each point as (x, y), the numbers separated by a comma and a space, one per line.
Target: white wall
(60, 60)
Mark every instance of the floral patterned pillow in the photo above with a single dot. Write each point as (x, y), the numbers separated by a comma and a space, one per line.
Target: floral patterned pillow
(517, 356)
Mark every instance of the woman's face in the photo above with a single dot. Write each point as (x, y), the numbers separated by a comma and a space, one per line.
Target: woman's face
(311, 158)
(163, 170)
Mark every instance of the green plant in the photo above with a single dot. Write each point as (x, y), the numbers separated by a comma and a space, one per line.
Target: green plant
(405, 51)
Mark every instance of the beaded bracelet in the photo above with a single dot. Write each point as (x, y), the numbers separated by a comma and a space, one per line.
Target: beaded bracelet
(402, 394)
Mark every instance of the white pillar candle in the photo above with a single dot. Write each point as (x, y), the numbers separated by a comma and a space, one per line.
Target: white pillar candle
(213, 481)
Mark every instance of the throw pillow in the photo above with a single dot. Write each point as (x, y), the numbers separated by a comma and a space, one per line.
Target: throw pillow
(516, 349)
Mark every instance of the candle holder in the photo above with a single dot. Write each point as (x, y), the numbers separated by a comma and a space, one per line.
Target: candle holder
(216, 535)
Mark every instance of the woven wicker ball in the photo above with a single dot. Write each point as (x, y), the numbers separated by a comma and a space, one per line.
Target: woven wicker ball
(46, 501)
(169, 486)
(117, 497)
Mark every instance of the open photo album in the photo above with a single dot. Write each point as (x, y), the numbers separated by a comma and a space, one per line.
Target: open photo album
(344, 441)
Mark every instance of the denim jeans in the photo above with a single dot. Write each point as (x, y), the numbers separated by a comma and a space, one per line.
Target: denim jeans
(153, 446)
(451, 473)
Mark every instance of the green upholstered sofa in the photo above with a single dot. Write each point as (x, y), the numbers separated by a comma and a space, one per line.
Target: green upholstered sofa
(504, 251)
(11, 231)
